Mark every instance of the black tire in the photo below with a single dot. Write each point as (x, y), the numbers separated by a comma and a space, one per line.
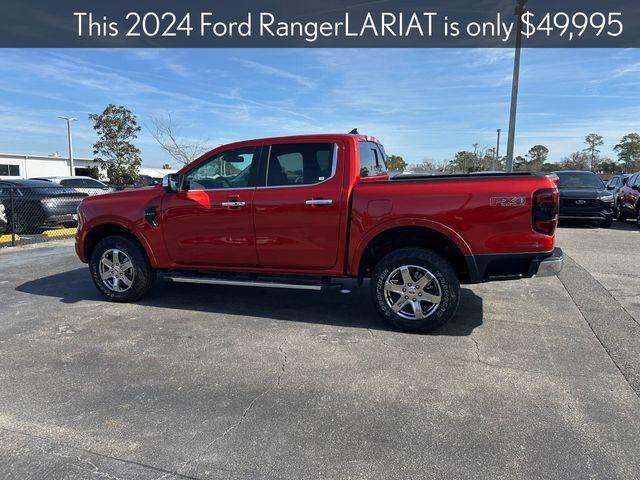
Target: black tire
(446, 284)
(21, 223)
(618, 213)
(607, 222)
(638, 218)
(143, 274)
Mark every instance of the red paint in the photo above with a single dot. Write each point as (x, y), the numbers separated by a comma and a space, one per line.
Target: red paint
(629, 197)
(277, 232)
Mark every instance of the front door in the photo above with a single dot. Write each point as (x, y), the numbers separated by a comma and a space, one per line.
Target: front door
(298, 212)
(209, 222)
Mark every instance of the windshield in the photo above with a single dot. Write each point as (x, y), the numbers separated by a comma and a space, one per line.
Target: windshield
(579, 180)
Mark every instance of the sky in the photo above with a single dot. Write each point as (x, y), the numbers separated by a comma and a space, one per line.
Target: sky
(421, 103)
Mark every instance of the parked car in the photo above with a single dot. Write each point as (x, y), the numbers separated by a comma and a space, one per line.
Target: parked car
(87, 185)
(305, 212)
(583, 197)
(628, 205)
(3, 219)
(614, 184)
(37, 203)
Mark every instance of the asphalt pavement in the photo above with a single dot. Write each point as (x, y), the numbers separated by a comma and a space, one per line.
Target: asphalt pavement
(529, 380)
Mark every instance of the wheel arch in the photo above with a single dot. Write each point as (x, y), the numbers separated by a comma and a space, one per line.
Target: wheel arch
(449, 245)
(104, 230)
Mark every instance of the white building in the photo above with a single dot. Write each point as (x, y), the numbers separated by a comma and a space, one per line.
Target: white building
(14, 166)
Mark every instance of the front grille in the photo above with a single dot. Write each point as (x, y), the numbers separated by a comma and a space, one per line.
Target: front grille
(578, 203)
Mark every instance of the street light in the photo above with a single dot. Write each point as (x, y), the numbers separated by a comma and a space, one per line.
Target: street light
(520, 9)
(69, 120)
(497, 159)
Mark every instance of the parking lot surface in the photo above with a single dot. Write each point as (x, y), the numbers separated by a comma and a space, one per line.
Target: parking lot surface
(532, 379)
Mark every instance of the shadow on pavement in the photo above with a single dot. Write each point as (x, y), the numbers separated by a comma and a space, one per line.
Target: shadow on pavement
(330, 308)
(581, 224)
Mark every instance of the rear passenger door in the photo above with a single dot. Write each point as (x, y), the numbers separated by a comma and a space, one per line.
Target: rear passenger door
(297, 212)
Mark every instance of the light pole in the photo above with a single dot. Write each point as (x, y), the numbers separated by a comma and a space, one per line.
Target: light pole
(520, 9)
(495, 167)
(69, 120)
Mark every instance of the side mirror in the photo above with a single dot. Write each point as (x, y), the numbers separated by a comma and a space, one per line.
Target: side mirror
(171, 182)
(610, 187)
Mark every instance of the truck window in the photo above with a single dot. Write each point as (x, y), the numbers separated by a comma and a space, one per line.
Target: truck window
(230, 169)
(299, 164)
(372, 160)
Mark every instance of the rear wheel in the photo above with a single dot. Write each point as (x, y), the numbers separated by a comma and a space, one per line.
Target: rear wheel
(120, 269)
(20, 223)
(618, 213)
(415, 289)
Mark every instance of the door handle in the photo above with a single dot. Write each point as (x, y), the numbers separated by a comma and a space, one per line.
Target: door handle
(319, 201)
(233, 204)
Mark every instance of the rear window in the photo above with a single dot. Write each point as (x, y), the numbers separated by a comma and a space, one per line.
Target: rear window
(299, 163)
(579, 180)
(372, 159)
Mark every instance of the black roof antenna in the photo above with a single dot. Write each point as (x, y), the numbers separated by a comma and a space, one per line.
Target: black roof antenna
(354, 132)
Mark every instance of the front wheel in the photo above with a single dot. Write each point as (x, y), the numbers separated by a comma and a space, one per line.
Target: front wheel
(607, 222)
(618, 213)
(415, 289)
(120, 269)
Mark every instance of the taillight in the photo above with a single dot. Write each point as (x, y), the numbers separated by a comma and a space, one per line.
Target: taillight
(545, 210)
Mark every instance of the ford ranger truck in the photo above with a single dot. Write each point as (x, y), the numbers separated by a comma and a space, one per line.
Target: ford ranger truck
(307, 212)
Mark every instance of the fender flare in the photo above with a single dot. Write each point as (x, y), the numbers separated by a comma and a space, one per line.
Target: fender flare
(125, 224)
(368, 236)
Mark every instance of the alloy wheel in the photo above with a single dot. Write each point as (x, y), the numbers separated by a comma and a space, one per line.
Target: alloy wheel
(412, 292)
(116, 270)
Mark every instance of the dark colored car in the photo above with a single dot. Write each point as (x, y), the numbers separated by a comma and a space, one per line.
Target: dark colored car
(614, 184)
(583, 196)
(38, 204)
(628, 205)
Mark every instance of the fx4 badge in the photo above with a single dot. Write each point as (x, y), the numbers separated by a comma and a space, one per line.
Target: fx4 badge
(510, 201)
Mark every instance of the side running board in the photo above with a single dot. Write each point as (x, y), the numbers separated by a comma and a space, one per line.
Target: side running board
(296, 284)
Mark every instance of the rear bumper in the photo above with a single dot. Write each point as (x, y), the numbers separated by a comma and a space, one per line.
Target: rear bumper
(552, 265)
(511, 266)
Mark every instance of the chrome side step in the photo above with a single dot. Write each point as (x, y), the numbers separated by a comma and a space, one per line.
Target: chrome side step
(250, 283)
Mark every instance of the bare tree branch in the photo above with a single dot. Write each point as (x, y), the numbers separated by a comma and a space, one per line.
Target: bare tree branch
(181, 150)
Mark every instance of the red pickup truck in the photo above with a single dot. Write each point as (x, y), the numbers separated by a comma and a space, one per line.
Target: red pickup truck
(307, 211)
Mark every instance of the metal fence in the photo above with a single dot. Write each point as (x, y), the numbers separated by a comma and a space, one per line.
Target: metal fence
(31, 214)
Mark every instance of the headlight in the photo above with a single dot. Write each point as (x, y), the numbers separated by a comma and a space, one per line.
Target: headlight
(607, 198)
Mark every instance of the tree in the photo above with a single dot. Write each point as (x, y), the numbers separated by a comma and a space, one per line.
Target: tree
(533, 160)
(519, 163)
(550, 167)
(465, 162)
(118, 157)
(183, 151)
(576, 161)
(593, 141)
(629, 152)
(607, 165)
(166, 166)
(395, 163)
(430, 166)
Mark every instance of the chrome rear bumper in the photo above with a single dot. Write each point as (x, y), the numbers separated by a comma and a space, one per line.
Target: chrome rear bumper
(552, 265)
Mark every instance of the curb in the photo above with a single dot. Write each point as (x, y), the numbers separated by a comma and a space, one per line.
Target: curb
(7, 238)
(60, 232)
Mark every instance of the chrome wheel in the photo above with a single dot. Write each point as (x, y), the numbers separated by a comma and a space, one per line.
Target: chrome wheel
(116, 270)
(412, 292)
